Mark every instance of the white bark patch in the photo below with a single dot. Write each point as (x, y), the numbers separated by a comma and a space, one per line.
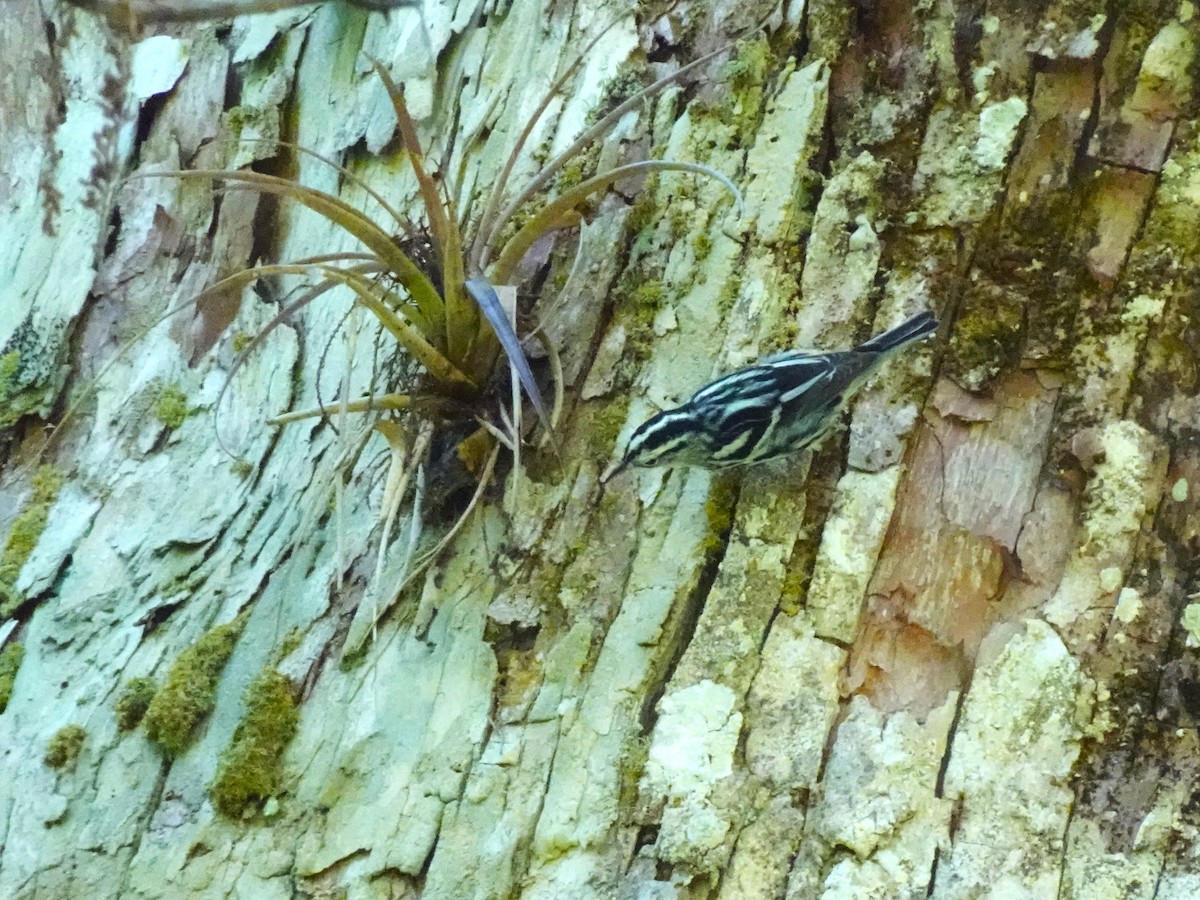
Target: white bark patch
(783, 145)
(878, 800)
(691, 750)
(1125, 487)
(961, 167)
(157, 64)
(1016, 743)
(841, 258)
(850, 547)
(581, 797)
(998, 124)
(693, 741)
(792, 704)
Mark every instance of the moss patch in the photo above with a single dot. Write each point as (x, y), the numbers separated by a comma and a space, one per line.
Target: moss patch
(987, 340)
(188, 696)
(248, 771)
(64, 747)
(170, 407)
(719, 509)
(10, 363)
(638, 306)
(605, 426)
(19, 395)
(22, 538)
(10, 662)
(134, 701)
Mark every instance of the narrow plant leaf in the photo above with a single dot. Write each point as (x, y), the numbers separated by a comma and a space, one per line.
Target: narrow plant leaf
(381, 303)
(489, 230)
(363, 404)
(462, 320)
(402, 222)
(489, 303)
(342, 214)
(496, 195)
(132, 14)
(438, 224)
(549, 215)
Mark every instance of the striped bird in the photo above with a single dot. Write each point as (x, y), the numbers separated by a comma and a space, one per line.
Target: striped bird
(772, 409)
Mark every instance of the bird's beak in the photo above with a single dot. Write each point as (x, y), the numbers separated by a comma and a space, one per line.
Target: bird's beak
(613, 470)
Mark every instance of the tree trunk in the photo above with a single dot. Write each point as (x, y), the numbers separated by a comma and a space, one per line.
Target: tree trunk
(952, 653)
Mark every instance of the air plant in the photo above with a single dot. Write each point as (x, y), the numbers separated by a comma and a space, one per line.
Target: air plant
(445, 312)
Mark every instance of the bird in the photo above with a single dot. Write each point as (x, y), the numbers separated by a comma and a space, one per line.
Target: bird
(774, 408)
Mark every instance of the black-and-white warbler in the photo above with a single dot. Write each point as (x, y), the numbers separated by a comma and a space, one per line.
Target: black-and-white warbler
(776, 407)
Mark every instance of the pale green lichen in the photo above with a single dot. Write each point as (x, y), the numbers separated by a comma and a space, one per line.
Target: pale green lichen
(64, 747)
(10, 662)
(23, 536)
(1191, 624)
(1179, 490)
(1117, 494)
(248, 771)
(189, 693)
(998, 124)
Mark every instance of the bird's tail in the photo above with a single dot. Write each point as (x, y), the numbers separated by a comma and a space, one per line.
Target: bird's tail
(919, 326)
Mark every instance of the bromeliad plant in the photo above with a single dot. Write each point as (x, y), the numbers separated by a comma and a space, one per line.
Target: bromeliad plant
(444, 310)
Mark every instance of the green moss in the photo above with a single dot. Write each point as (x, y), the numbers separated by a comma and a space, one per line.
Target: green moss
(188, 695)
(718, 509)
(171, 406)
(64, 747)
(745, 76)
(134, 701)
(24, 534)
(571, 174)
(19, 380)
(291, 641)
(987, 340)
(749, 65)
(625, 84)
(10, 364)
(679, 221)
(606, 425)
(10, 662)
(648, 296)
(643, 212)
(242, 467)
(794, 589)
(248, 771)
(702, 246)
(729, 295)
(638, 308)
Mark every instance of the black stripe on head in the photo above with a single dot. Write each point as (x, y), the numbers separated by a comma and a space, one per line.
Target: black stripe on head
(659, 436)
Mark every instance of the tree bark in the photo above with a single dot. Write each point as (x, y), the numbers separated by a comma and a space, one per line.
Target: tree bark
(952, 653)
